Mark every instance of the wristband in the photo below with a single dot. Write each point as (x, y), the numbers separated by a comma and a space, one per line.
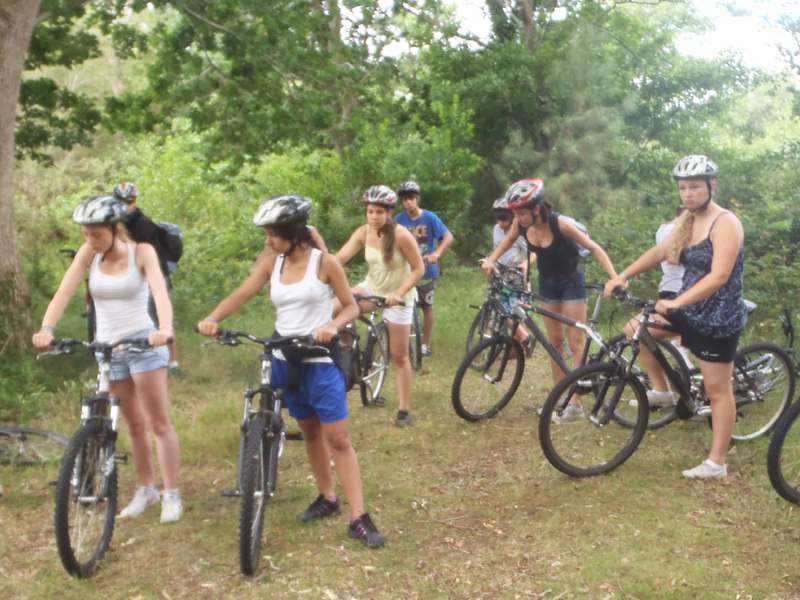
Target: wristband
(48, 328)
(210, 318)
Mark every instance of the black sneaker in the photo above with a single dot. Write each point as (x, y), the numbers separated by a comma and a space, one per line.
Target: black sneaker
(319, 509)
(364, 529)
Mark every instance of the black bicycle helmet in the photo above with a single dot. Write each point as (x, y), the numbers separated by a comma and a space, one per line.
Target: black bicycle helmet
(126, 191)
(409, 188)
(281, 210)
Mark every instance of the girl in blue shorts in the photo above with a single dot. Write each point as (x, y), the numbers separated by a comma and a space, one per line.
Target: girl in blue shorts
(302, 282)
(554, 239)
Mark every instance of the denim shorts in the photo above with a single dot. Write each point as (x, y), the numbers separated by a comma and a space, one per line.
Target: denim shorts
(126, 362)
(563, 290)
(321, 390)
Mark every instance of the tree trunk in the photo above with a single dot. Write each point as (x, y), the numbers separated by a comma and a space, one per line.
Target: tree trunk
(17, 19)
(528, 26)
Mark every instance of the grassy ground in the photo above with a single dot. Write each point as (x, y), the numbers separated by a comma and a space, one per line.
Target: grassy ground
(470, 511)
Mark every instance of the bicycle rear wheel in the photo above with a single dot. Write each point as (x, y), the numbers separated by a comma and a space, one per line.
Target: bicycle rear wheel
(592, 442)
(783, 456)
(374, 366)
(28, 446)
(86, 499)
(415, 339)
(763, 386)
(255, 469)
(487, 378)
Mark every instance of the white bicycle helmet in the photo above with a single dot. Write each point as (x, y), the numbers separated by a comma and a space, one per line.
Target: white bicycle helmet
(695, 166)
(99, 210)
(380, 194)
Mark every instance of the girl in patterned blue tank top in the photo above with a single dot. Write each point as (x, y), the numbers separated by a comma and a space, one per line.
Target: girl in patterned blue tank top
(708, 312)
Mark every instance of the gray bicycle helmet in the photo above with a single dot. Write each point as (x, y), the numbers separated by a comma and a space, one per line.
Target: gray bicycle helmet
(695, 166)
(380, 194)
(126, 191)
(281, 210)
(409, 188)
(99, 210)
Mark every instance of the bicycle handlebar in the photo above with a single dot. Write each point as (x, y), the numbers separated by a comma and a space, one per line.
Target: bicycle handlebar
(67, 345)
(379, 301)
(233, 337)
(624, 295)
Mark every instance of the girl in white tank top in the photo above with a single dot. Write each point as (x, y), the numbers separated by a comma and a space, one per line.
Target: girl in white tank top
(301, 280)
(120, 277)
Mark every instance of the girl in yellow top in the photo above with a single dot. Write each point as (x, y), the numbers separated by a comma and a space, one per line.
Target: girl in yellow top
(394, 267)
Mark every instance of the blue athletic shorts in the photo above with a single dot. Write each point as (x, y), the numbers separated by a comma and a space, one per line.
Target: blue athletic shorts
(321, 391)
(127, 362)
(563, 290)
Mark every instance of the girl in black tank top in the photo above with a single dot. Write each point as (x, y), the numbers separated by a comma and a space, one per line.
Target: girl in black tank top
(554, 240)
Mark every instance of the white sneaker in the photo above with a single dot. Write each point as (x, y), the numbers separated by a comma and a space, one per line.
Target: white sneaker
(171, 506)
(143, 497)
(706, 470)
(660, 398)
(573, 412)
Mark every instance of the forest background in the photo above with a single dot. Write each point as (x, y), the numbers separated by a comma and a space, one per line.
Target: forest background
(212, 106)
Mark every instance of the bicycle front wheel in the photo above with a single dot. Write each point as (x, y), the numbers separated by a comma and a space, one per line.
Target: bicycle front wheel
(86, 499)
(487, 378)
(763, 386)
(783, 456)
(27, 446)
(255, 469)
(374, 366)
(578, 429)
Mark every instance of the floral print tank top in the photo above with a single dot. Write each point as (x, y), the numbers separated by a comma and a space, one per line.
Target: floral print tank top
(722, 314)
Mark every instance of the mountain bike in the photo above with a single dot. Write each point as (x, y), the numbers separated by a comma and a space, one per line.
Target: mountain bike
(368, 367)
(763, 384)
(86, 490)
(262, 435)
(783, 455)
(490, 373)
(504, 285)
(29, 446)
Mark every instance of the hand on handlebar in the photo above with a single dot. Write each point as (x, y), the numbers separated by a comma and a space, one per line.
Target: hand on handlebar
(664, 307)
(207, 328)
(394, 300)
(43, 339)
(324, 334)
(612, 285)
(489, 267)
(159, 338)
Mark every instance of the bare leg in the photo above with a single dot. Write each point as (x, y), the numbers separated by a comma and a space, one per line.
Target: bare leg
(717, 382)
(151, 389)
(575, 336)
(318, 456)
(135, 417)
(658, 379)
(555, 335)
(398, 348)
(337, 438)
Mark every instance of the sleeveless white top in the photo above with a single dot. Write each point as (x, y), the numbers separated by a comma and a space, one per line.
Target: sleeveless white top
(304, 306)
(672, 274)
(120, 301)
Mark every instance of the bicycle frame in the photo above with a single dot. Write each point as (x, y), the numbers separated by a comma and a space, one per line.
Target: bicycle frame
(520, 315)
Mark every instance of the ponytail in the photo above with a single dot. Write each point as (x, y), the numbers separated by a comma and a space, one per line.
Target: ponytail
(387, 232)
(681, 236)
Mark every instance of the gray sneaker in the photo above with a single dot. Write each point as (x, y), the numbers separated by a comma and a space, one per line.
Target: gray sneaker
(573, 412)
(403, 419)
(660, 398)
(706, 470)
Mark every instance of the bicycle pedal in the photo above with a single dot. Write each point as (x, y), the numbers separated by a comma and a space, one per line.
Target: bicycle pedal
(379, 401)
(121, 458)
(231, 493)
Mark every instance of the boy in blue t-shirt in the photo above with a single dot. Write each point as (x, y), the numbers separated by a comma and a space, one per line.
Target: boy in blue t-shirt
(433, 238)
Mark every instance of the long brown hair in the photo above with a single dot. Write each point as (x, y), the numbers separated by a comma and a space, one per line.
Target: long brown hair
(681, 236)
